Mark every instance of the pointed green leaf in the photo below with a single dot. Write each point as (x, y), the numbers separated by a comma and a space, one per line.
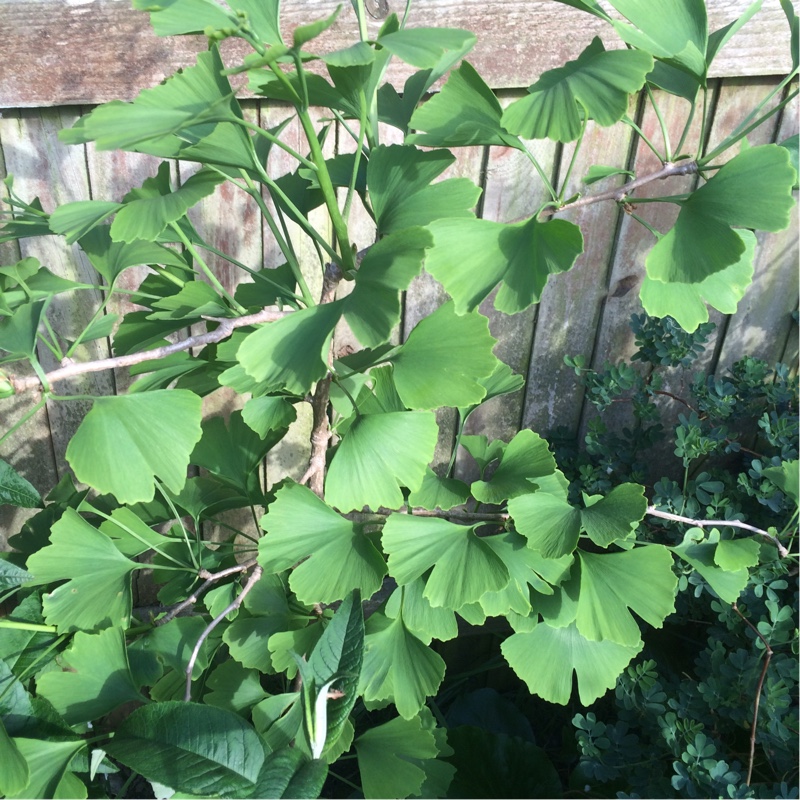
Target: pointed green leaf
(127, 441)
(794, 29)
(470, 257)
(753, 190)
(301, 526)
(436, 492)
(379, 454)
(526, 458)
(15, 490)
(550, 524)
(388, 757)
(191, 748)
(444, 360)
(292, 352)
(18, 332)
(596, 85)
(615, 516)
(728, 584)
(463, 566)
(47, 763)
(545, 658)
(597, 173)
(686, 302)
(12, 576)
(465, 112)
(305, 33)
(419, 616)
(98, 678)
(719, 38)
(399, 668)
(98, 588)
(75, 220)
(614, 584)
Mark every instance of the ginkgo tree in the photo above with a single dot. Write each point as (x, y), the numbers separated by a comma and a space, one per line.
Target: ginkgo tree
(254, 672)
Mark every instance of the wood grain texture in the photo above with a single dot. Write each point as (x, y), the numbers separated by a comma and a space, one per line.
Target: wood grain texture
(67, 52)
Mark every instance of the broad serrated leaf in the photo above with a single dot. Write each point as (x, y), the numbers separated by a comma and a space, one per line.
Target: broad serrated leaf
(525, 458)
(545, 658)
(12, 576)
(596, 85)
(379, 454)
(444, 360)
(191, 748)
(399, 668)
(753, 190)
(97, 679)
(686, 302)
(471, 256)
(612, 585)
(125, 442)
(98, 588)
(300, 527)
(463, 567)
(16, 490)
(465, 112)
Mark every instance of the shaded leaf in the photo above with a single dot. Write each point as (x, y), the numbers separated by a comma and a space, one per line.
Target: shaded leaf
(233, 687)
(425, 621)
(47, 763)
(16, 490)
(727, 583)
(75, 220)
(15, 774)
(436, 492)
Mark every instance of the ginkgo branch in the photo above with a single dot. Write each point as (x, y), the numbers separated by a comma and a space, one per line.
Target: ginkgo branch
(251, 582)
(223, 331)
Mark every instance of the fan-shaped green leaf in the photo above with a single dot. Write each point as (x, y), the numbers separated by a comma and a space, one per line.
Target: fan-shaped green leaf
(545, 658)
(786, 477)
(399, 668)
(424, 47)
(191, 748)
(75, 220)
(550, 524)
(47, 764)
(300, 526)
(753, 190)
(419, 616)
(194, 300)
(98, 678)
(615, 516)
(175, 17)
(444, 360)
(18, 332)
(727, 583)
(471, 256)
(686, 302)
(379, 454)
(735, 554)
(596, 85)
(155, 431)
(233, 687)
(436, 492)
(265, 414)
(463, 566)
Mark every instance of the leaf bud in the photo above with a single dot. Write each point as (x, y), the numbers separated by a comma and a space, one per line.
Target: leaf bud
(6, 386)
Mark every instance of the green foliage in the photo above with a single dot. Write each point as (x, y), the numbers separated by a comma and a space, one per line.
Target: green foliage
(255, 673)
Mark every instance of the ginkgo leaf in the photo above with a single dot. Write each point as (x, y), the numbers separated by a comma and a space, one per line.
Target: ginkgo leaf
(525, 458)
(615, 516)
(436, 492)
(48, 762)
(136, 425)
(195, 300)
(752, 190)
(175, 17)
(550, 524)
(292, 352)
(786, 477)
(686, 302)
(735, 554)
(727, 583)
(301, 526)
(233, 687)
(16, 773)
(98, 678)
(18, 332)
(379, 454)
(465, 112)
(471, 256)
(424, 47)
(268, 413)
(444, 359)
(399, 668)
(75, 220)
(98, 588)
(596, 85)
(387, 754)
(400, 178)
(545, 658)
(425, 621)
(463, 566)
(612, 585)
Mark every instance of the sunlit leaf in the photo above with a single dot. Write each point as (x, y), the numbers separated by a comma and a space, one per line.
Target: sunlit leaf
(727, 583)
(48, 762)
(75, 220)
(436, 492)
(194, 300)
(265, 414)
(16, 773)
(424, 47)
(305, 33)
(262, 17)
(425, 621)
(736, 554)
(550, 524)
(175, 17)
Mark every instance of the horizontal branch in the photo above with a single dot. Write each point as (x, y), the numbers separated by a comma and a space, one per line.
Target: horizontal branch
(226, 327)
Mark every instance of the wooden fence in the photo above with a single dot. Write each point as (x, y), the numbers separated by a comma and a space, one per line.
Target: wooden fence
(62, 56)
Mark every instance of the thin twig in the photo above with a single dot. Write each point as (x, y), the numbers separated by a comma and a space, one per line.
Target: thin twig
(768, 651)
(210, 580)
(707, 523)
(251, 582)
(226, 327)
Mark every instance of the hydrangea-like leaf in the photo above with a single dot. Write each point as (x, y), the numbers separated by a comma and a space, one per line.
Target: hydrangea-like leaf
(444, 359)
(291, 353)
(525, 458)
(686, 302)
(98, 678)
(399, 668)
(300, 526)
(471, 256)
(399, 179)
(465, 112)
(98, 588)
(392, 756)
(379, 454)
(425, 621)
(127, 441)
(612, 585)
(545, 658)
(463, 567)
(597, 84)
(753, 190)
